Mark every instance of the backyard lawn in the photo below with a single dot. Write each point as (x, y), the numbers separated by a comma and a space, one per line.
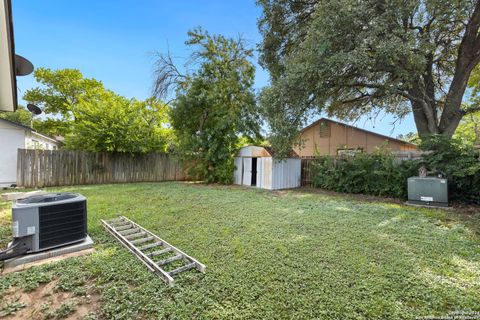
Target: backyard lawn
(289, 254)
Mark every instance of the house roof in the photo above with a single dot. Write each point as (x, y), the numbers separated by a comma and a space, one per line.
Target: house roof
(353, 127)
(27, 128)
(17, 124)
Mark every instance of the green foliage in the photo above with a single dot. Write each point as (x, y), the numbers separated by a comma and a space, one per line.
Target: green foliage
(459, 163)
(21, 116)
(353, 58)
(215, 106)
(92, 118)
(10, 308)
(272, 255)
(65, 309)
(411, 137)
(376, 174)
(116, 124)
(468, 130)
(52, 127)
(61, 90)
(379, 174)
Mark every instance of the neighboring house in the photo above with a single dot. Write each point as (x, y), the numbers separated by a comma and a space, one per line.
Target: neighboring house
(14, 136)
(329, 137)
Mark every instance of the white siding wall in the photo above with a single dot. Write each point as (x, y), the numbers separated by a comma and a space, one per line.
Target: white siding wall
(34, 140)
(11, 138)
(286, 173)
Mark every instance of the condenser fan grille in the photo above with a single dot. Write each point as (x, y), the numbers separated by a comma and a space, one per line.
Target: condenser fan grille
(62, 223)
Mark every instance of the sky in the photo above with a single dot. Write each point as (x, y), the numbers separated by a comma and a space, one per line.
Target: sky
(115, 41)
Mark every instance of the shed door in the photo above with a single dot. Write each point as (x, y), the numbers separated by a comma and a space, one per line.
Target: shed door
(237, 176)
(247, 171)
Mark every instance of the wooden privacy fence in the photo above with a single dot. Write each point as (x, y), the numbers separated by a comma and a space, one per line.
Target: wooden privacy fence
(45, 168)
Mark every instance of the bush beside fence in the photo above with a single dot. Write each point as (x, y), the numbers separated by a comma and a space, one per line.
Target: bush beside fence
(46, 168)
(375, 174)
(382, 174)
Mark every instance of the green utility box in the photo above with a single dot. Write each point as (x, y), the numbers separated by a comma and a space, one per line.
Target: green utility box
(429, 191)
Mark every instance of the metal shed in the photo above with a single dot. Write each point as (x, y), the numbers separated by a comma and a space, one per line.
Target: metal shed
(258, 167)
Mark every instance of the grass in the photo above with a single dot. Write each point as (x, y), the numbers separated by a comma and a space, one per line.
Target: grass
(270, 255)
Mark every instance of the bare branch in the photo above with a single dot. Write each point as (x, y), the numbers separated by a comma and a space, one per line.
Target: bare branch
(167, 76)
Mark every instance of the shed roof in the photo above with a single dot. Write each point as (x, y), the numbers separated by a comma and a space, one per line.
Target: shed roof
(267, 151)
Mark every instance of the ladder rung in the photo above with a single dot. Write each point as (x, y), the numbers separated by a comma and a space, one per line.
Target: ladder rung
(142, 240)
(183, 268)
(175, 258)
(146, 246)
(129, 231)
(150, 245)
(135, 235)
(123, 228)
(120, 224)
(159, 252)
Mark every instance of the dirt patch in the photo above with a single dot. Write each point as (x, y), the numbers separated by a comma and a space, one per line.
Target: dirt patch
(46, 302)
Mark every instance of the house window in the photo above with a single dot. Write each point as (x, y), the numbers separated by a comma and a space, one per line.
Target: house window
(324, 130)
(36, 144)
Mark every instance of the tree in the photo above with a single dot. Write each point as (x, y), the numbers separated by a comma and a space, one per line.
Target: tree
(351, 58)
(92, 118)
(214, 105)
(116, 124)
(21, 116)
(411, 137)
(469, 129)
(61, 90)
(59, 94)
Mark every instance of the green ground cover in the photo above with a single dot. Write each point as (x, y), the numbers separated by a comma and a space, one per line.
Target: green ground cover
(289, 254)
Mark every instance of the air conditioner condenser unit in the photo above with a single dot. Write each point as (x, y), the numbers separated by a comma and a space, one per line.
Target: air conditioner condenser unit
(47, 221)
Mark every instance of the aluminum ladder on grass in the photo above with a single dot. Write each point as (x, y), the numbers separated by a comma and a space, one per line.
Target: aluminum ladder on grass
(146, 246)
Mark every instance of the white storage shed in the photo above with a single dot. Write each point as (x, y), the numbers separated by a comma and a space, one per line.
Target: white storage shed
(258, 167)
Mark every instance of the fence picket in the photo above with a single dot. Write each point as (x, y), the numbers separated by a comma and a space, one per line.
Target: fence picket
(48, 168)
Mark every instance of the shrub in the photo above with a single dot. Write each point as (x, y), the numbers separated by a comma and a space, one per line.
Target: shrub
(380, 174)
(459, 163)
(377, 174)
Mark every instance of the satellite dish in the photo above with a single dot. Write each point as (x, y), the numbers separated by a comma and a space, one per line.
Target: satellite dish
(23, 67)
(34, 109)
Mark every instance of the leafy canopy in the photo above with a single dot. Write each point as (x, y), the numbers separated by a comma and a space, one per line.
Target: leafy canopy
(92, 118)
(116, 124)
(469, 129)
(351, 58)
(21, 116)
(61, 90)
(214, 105)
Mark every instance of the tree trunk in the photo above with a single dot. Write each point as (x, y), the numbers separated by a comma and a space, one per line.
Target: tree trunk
(420, 119)
(468, 58)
